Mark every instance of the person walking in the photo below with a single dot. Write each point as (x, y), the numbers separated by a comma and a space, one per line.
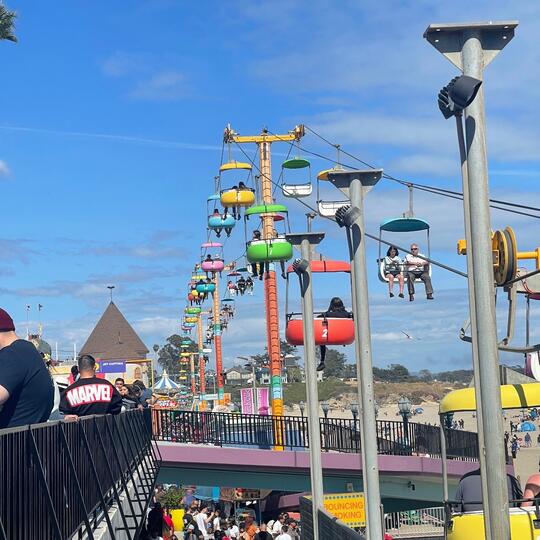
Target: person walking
(26, 387)
(90, 394)
(514, 447)
(528, 440)
(284, 534)
(263, 534)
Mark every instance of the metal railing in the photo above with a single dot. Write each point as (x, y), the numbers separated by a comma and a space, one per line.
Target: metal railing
(60, 479)
(411, 523)
(330, 528)
(337, 435)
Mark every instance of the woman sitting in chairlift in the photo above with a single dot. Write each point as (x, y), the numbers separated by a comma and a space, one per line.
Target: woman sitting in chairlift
(393, 268)
(336, 310)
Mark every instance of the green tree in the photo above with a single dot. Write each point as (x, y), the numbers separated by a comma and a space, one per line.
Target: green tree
(262, 360)
(334, 362)
(169, 354)
(425, 375)
(7, 24)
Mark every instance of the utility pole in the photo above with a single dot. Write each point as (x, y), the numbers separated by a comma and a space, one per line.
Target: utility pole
(217, 341)
(302, 267)
(471, 47)
(264, 142)
(356, 185)
(202, 375)
(27, 322)
(192, 374)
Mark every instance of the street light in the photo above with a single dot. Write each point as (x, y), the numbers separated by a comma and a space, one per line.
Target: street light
(325, 407)
(376, 407)
(354, 410)
(404, 406)
(302, 406)
(457, 95)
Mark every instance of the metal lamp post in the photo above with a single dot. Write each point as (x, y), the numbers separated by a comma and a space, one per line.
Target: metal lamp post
(404, 406)
(306, 243)
(302, 406)
(354, 410)
(471, 47)
(356, 185)
(325, 408)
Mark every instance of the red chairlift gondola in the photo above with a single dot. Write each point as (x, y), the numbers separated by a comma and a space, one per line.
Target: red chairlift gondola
(327, 330)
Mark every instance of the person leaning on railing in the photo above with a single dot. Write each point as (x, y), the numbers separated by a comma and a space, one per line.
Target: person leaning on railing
(26, 387)
(89, 394)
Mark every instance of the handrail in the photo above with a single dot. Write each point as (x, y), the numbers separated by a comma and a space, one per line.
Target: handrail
(337, 434)
(63, 477)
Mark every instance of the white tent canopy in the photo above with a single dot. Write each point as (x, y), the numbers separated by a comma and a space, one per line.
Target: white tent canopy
(165, 384)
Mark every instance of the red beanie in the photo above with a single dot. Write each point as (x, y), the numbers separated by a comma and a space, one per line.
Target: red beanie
(6, 322)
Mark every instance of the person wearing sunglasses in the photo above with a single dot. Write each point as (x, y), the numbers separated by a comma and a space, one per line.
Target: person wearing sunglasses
(417, 268)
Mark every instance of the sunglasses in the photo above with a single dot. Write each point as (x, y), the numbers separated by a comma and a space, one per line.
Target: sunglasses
(414, 249)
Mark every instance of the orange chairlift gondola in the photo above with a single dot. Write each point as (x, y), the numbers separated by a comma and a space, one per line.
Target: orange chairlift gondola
(407, 223)
(328, 330)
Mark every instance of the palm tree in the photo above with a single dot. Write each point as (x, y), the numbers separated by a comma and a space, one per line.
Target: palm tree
(7, 19)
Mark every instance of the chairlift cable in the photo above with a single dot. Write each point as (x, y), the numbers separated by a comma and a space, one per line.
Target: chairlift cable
(371, 236)
(406, 182)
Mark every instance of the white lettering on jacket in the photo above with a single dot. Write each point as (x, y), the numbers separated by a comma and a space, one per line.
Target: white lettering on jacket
(89, 393)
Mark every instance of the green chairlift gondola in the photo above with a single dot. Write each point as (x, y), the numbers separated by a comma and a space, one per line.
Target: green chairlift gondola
(268, 249)
(296, 190)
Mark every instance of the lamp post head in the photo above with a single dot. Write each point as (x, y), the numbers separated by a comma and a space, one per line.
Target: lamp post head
(457, 95)
(302, 406)
(325, 407)
(404, 406)
(354, 408)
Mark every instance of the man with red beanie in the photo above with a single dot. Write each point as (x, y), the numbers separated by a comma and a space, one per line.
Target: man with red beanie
(26, 388)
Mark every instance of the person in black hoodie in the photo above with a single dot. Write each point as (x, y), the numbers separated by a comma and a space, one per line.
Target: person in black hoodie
(89, 394)
(336, 310)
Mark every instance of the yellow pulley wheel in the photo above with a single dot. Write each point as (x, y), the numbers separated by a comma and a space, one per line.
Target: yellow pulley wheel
(504, 242)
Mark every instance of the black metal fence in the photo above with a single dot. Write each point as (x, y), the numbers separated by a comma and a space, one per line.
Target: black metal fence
(330, 528)
(60, 479)
(337, 435)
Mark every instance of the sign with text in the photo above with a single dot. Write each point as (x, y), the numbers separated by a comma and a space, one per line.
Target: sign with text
(112, 366)
(263, 400)
(210, 397)
(246, 396)
(347, 507)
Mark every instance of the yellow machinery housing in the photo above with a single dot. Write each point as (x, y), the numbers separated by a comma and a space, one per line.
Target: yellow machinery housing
(524, 521)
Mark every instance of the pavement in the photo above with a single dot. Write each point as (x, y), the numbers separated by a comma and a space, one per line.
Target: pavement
(527, 462)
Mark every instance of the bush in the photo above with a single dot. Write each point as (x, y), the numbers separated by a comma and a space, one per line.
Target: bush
(172, 498)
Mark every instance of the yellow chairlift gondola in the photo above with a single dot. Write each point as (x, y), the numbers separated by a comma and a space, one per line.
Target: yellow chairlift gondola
(328, 208)
(296, 190)
(240, 195)
(462, 524)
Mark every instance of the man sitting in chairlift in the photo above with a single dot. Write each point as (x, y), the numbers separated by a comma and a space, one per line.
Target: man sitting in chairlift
(417, 268)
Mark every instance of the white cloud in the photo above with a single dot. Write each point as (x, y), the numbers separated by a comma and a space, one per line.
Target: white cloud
(168, 85)
(4, 169)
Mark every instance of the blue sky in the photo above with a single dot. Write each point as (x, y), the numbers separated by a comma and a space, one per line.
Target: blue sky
(110, 137)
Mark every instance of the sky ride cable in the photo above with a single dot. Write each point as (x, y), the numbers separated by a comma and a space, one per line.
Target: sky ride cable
(371, 236)
(434, 189)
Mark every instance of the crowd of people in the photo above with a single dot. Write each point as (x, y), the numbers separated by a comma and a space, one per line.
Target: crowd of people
(204, 522)
(29, 395)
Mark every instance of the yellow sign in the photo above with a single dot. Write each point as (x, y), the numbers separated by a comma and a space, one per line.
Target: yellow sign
(347, 507)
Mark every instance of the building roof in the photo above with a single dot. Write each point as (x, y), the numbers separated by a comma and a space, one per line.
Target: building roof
(238, 369)
(113, 338)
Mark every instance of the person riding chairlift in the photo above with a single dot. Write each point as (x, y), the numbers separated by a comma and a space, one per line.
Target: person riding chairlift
(241, 284)
(336, 310)
(393, 269)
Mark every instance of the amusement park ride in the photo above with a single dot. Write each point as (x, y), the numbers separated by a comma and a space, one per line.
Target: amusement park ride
(241, 195)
